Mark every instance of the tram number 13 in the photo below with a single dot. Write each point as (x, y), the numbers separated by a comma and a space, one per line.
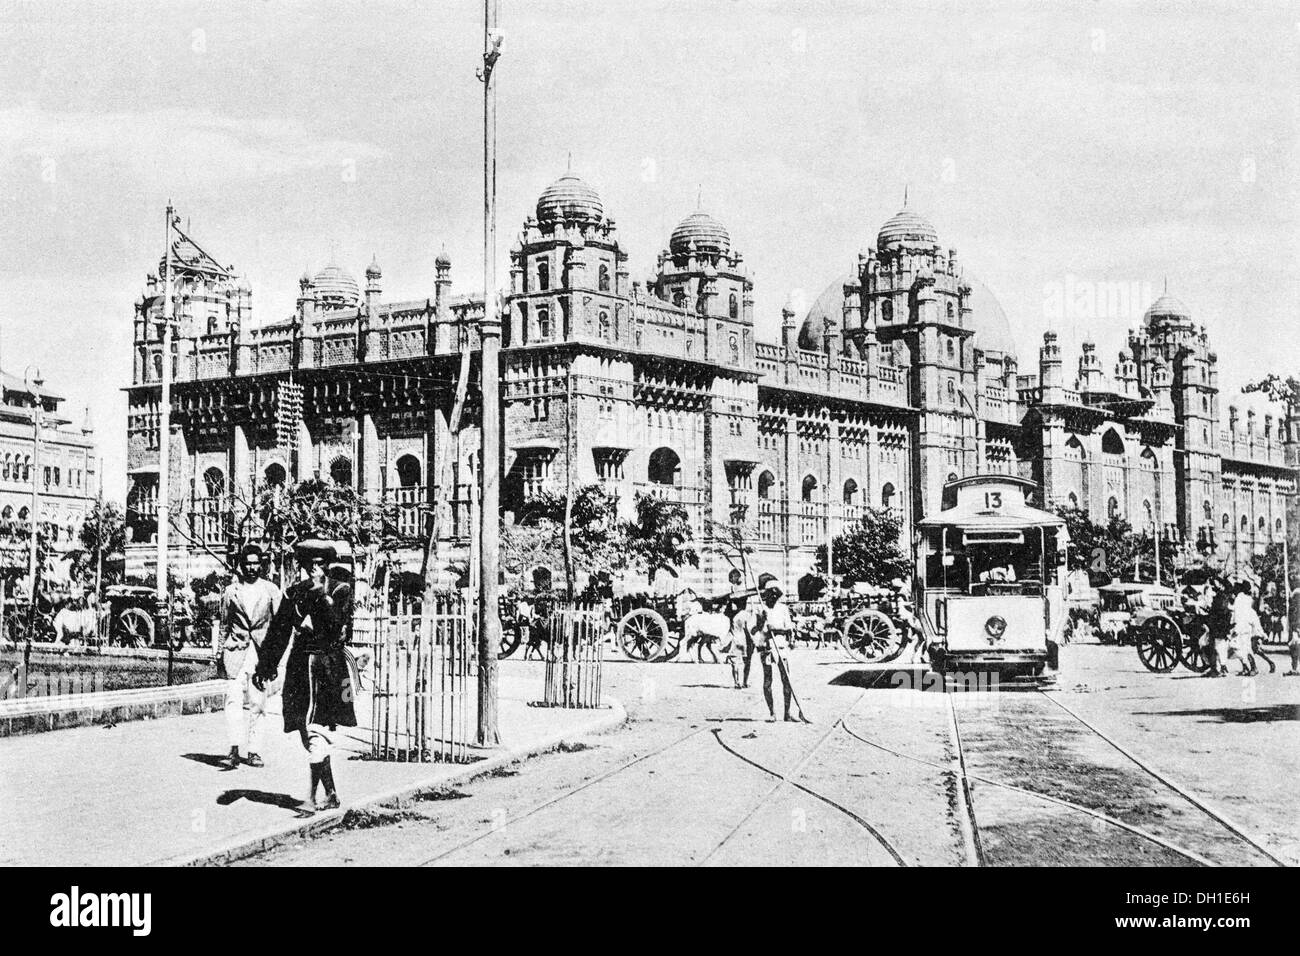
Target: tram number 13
(993, 499)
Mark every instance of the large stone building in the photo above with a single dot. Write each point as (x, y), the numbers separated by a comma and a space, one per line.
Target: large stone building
(902, 376)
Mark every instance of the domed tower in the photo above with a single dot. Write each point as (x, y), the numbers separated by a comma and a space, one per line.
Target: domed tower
(568, 274)
(702, 275)
(336, 289)
(911, 291)
(1172, 341)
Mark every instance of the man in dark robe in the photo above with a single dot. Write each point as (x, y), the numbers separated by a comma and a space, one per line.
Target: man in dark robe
(318, 695)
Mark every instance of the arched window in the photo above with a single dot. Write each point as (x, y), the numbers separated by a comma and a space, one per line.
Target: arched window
(1261, 525)
(27, 468)
(275, 475)
(1226, 522)
(1074, 449)
(1112, 508)
(733, 307)
(7, 466)
(157, 366)
(341, 471)
(809, 488)
(543, 275)
(1205, 404)
(214, 482)
(952, 476)
(1207, 511)
(850, 492)
(543, 323)
(887, 496)
(1074, 500)
(1149, 459)
(1245, 523)
(665, 467)
(1146, 508)
(212, 325)
(57, 475)
(604, 326)
(603, 281)
(765, 482)
(408, 471)
(1277, 526)
(952, 390)
(952, 313)
(679, 299)
(952, 349)
(1111, 443)
(886, 311)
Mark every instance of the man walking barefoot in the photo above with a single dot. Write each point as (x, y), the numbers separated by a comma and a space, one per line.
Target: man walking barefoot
(771, 639)
(318, 693)
(247, 607)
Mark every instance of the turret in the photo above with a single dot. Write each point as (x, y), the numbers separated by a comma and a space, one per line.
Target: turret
(1050, 376)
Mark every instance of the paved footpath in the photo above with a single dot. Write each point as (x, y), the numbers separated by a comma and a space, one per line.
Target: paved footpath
(155, 792)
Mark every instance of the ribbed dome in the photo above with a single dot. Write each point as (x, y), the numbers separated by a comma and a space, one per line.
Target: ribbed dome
(569, 198)
(907, 228)
(1167, 307)
(992, 330)
(707, 234)
(336, 288)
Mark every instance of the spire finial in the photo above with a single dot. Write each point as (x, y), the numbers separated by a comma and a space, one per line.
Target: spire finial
(699, 196)
(569, 166)
(904, 195)
(1166, 285)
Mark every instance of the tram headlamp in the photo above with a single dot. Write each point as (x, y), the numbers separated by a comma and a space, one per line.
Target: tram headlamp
(995, 627)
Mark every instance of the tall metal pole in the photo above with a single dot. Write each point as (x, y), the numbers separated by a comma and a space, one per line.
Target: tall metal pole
(489, 625)
(164, 424)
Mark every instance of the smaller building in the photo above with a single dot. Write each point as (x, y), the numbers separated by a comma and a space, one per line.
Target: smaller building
(63, 467)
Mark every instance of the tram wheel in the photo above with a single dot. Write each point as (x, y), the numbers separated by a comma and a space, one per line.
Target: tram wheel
(642, 633)
(1158, 642)
(870, 637)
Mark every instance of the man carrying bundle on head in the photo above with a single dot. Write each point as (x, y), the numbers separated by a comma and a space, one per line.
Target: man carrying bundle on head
(247, 607)
(318, 693)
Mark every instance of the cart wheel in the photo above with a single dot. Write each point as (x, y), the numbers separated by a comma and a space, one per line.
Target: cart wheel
(1158, 641)
(642, 633)
(672, 644)
(1193, 655)
(134, 628)
(510, 640)
(870, 637)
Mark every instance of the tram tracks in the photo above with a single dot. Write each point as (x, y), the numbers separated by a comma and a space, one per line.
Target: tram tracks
(788, 778)
(976, 853)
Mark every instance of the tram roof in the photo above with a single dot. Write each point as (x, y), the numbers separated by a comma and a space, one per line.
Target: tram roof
(1010, 517)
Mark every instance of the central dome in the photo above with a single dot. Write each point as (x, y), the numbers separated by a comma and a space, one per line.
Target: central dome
(702, 231)
(907, 228)
(570, 199)
(336, 288)
(1167, 307)
(992, 330)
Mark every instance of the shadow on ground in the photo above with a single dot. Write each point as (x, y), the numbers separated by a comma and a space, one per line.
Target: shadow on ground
(1234, 715)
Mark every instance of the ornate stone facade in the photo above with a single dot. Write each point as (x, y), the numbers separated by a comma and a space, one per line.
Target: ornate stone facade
(899, 378)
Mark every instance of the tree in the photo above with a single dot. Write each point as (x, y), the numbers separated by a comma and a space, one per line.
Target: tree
(1278, 389)
(1108, 552)
(316, 507)
(597, 540)
(660, 536)
(104, 531)
(869, 551)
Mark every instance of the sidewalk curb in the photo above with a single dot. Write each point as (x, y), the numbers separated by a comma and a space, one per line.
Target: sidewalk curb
(611, 716)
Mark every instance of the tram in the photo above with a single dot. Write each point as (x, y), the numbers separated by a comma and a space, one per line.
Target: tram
(990, 579)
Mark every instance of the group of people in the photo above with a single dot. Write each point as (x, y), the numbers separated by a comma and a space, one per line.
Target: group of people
(1237, 622)
(303, 628)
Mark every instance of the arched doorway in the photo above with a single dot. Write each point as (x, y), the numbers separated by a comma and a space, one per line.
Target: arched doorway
(665, 467)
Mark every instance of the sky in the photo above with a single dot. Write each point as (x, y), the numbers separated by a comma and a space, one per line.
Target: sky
(1068, 150)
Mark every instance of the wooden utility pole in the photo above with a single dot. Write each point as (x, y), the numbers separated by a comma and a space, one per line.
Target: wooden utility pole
(489, 625)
